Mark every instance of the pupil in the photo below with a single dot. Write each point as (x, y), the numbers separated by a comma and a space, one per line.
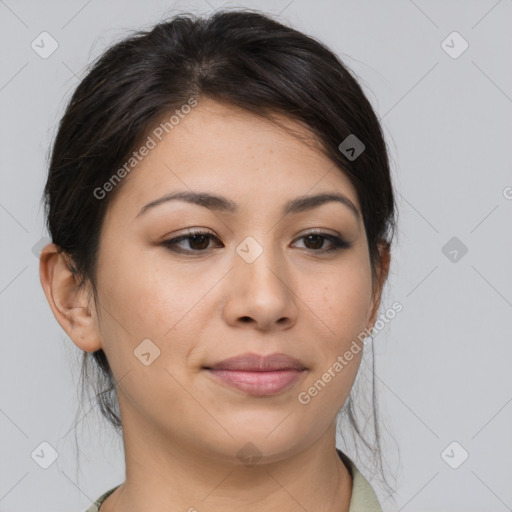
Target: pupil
(318, 240)
(203, 237)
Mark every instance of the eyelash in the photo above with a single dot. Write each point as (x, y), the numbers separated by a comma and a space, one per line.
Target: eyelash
(337, 242)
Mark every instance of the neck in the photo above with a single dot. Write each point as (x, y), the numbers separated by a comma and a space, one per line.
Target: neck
(162, 474)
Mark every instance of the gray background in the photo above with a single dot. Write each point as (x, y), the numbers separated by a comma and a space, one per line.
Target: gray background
(443, 365)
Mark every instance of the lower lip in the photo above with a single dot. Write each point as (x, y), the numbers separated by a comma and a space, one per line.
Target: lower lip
(258, 383)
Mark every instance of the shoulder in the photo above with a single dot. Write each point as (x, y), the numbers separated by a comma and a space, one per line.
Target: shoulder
(363, 497)
(96, 505)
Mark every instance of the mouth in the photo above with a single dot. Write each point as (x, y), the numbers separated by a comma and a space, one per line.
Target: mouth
(258, 375)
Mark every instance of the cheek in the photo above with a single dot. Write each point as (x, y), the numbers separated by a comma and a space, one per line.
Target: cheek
(343, 301)
(340, 308)
(140, 303)
(145, 300)
(143, 297)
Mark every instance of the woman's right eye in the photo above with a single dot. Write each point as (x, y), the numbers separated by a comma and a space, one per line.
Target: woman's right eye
(198, 241)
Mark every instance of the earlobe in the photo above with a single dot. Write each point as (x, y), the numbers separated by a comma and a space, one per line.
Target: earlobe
(70, 305)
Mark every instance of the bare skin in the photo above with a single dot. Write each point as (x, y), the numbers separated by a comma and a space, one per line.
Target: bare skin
(183, 428)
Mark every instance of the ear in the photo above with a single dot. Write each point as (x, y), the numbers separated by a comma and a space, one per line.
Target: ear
(72, 307)
(381, 274)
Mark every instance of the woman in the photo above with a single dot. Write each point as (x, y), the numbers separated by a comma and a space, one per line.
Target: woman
(221, 210)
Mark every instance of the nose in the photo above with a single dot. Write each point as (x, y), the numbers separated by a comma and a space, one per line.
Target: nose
(260, 294)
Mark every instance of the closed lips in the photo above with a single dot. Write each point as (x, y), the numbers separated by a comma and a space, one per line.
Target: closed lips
(259, 363)
(258, 375)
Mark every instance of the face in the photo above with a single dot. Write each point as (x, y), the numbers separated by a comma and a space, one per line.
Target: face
(171, 309)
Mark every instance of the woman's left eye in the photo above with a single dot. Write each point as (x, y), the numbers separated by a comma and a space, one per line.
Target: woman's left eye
(198, 241)
(316, 239)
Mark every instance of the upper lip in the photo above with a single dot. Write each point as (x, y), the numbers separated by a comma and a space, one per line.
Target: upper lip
(259, 363)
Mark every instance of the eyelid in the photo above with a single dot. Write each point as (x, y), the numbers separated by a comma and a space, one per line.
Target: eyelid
(173, 242)
(206, 231)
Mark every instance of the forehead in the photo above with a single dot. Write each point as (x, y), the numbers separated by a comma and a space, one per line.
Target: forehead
(223, 148)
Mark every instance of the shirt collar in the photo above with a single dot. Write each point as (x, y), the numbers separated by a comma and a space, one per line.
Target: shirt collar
(363, 497)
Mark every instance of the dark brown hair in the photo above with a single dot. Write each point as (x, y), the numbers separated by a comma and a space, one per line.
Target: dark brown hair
(241, 57)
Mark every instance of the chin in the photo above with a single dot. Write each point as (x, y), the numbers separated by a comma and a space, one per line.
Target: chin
(264, 438)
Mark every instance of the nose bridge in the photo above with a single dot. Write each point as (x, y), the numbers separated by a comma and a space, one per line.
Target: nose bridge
(259, 261)
(259, 286)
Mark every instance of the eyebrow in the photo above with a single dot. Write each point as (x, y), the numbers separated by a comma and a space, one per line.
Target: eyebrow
(223, 204)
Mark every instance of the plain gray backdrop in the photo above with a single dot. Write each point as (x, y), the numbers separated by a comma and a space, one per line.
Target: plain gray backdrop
(443, 363)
